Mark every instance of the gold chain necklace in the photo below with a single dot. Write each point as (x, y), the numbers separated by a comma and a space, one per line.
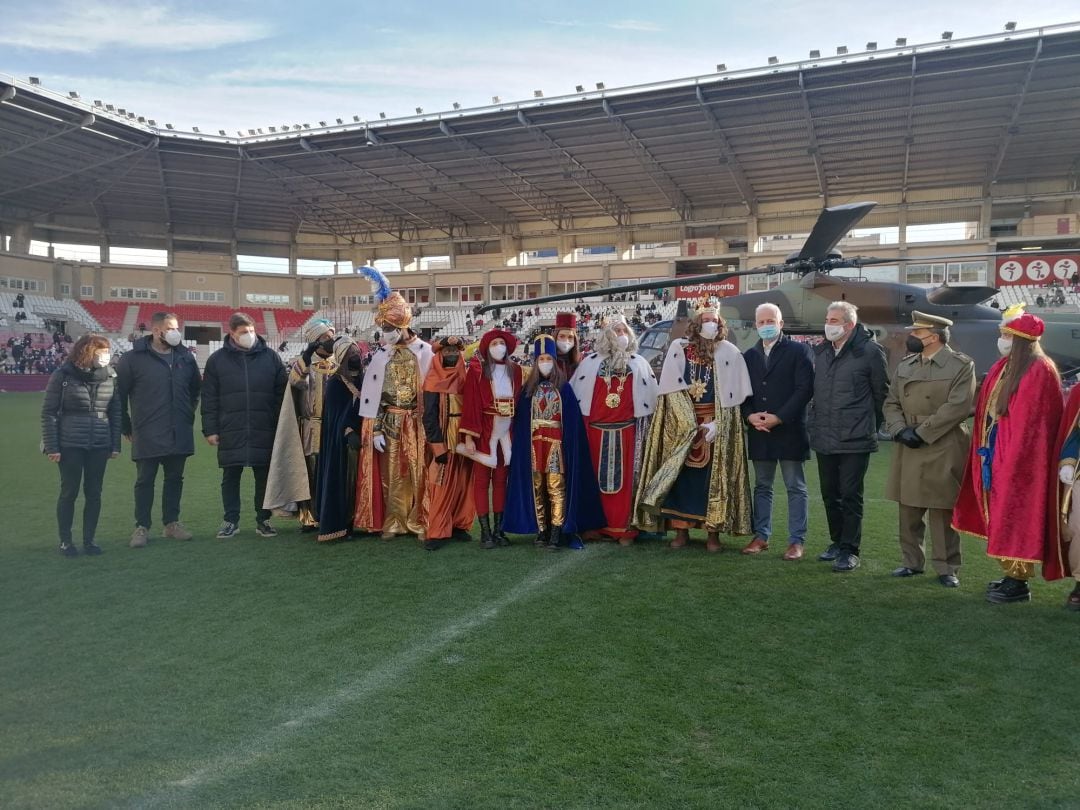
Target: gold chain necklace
(614, 398)
(700, 373)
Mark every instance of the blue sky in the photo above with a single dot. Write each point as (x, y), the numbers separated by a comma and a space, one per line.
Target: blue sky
(236, 64)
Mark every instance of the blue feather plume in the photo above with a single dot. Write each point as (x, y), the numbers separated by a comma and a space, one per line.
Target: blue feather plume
(380, 284)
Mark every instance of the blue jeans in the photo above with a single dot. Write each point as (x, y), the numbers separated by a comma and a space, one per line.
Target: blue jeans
(795, 483)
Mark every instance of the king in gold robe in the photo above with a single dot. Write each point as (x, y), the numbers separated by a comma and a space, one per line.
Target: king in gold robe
(695, 473)
(390, 482)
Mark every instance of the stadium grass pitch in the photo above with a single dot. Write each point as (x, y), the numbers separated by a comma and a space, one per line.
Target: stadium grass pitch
(259, 672)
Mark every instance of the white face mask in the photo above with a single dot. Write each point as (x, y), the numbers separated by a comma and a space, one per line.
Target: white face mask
(390, 338)
(624, 341)
(246, 340)
(546, 367)
(834, 331)
(709, 330)
(172, 337)
(564, 345)
(103, 359)
(1004, 346)
(497, 352)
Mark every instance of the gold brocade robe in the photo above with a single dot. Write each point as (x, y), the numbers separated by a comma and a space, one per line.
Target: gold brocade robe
(309, 383)
(402, 463)
(670, 440)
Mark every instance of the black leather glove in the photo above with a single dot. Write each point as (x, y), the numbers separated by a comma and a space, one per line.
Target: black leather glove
(910, 438)
(442, 458)
(308, 352)
(353, 440)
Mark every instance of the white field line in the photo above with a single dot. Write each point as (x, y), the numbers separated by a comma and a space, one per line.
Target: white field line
(363, 687)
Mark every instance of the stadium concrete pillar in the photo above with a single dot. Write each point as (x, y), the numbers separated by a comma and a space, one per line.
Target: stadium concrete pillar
(406, 256)
(985, 217)
(106, 248)
(487, 286)
(293, 254)
(99, 284)
(20, 237)
(451, 254)
(751, 233)
(511, 250)
(170, 251)
(623, 245)
(298, 293)
(169, 293)
(565, 248)
(901, 226)
(76, 280)
(545, 281)
(605, 274)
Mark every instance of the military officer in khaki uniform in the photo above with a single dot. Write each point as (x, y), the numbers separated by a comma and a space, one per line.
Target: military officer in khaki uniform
(929, 401)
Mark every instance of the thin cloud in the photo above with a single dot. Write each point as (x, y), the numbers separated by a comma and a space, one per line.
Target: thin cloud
(564, 23)
(635, 25)
(96, 26)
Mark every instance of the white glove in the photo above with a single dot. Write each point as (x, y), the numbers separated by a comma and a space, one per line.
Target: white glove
(1067, 474)
(379, 442)
(710, 432)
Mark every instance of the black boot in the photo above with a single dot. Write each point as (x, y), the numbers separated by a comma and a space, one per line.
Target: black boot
(92, 548)
(554, 533)
(542, 538)
(1010, 590)
(67, 548)
(487, 539)
(461, 536)
(499, 534)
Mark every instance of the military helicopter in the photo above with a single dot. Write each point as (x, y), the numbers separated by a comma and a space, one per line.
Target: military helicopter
(884, 307)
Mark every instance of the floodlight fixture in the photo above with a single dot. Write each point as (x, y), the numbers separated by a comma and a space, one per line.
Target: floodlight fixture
(222, 132)
(168, 126)
(457, 106)
(322, 123)
(307, 126)
(142, 120)
(252, 132)
(815, 54)
(599, 85)
(356, 119)
(901, 42)
(841, 50)
(34, 80)
(419, 110)
(946, 35)
(721, 67)
(73, 94)
(579, 88)
(151, 122)
(97, 102)
(273, 129)
(773, 60)
(339, 120)
(194, 129)
(121, 111)
(495, 99)
(110, 108)
(260, 131)
(538, 93)
(239, 133)
(382, 115)
(1010, 26)
(871, 46)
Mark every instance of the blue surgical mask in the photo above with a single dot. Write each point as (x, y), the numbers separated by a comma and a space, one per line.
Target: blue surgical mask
(769, 332)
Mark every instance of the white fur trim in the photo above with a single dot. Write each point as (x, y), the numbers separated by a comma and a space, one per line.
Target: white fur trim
(645, 389)
(730, 378)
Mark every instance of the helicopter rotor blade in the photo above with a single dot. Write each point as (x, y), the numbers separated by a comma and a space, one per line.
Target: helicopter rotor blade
(869, 261)
(657, 284)
(831, 226)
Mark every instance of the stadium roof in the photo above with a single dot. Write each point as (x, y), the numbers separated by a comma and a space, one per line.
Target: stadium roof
(1002, 109)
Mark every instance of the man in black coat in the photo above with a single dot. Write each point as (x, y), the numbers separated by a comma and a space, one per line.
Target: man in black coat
(782, 377)
(158, 383)
(243, 385)
(851, 380)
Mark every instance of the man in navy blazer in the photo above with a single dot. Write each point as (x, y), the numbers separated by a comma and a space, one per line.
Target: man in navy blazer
(782, 378)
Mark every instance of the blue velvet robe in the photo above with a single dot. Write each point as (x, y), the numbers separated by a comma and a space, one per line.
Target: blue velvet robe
(583, 509)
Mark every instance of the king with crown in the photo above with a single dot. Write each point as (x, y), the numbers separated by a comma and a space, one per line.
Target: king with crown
(390, 481)
(616, 391)
(694, 473)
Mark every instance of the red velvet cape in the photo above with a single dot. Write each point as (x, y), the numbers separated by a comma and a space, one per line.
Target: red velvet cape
(1018, 518)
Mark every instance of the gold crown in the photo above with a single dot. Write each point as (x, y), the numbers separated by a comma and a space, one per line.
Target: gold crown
(705, 305)
(611, 316)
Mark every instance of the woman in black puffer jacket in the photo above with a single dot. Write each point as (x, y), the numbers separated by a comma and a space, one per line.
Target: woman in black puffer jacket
(80, 431)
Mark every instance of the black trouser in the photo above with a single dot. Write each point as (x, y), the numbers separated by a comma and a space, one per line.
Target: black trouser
(230, 492)
(842, 477)
(86, 467)
(145, 478)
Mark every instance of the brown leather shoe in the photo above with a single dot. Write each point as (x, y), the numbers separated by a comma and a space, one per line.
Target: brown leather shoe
(713, 545)
(794, 551)
(682, 539)
(756, 546)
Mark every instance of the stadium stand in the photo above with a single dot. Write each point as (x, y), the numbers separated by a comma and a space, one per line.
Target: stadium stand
(109, 314)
